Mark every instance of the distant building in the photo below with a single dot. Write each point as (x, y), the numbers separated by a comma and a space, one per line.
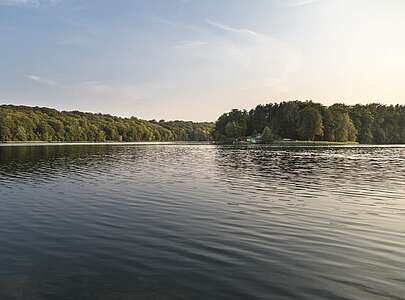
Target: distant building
(255, 139)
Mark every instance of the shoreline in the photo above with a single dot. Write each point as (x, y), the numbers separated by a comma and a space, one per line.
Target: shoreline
(274, 144)
(314, 143)
(291, 143)
(43, 143)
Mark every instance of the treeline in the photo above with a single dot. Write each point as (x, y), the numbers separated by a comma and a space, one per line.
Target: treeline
(22, 123)
(366, 124)
(296, 120)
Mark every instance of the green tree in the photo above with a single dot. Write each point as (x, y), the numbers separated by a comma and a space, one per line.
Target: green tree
(5, 134)
(232, 130)
(339, 127)
(21, 134)
(310, 124)
(231, 125)
(267, 135)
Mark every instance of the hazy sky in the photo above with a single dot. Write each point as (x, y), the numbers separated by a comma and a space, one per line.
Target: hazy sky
(194, 59)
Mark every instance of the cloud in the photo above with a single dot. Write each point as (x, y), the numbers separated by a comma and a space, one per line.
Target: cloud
(190, 44)
(177, 25)
(249, 60)
(231, 29)
(42, 80)
(258, 46)
(298, 3)
(16, 2)
(35, 3)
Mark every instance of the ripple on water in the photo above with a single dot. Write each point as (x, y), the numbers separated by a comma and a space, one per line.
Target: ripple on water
(202, 222)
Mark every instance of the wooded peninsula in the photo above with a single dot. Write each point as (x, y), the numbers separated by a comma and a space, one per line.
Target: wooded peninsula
(293, 120)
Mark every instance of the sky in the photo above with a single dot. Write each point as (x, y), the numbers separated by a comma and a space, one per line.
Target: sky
(195, 59)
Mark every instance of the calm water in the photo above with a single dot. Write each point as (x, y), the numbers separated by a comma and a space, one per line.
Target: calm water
(201, 222)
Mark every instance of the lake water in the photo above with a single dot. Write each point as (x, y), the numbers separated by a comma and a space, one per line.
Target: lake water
(201, 222)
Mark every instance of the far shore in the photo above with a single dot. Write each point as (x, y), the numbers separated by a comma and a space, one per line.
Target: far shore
(33, 143)
(278, 143)
(298, 143)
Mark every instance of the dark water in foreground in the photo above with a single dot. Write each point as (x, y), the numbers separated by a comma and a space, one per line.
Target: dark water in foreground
(201, 222)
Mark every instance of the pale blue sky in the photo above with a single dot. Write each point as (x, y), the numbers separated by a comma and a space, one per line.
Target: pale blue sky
(194, 59)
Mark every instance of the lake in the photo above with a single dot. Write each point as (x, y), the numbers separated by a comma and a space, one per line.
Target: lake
(201, 222)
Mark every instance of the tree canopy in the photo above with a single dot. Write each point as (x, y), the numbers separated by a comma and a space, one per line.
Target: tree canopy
(22, 123)
(267, 135)
(368, 124)
(297, 120)
(310, 124)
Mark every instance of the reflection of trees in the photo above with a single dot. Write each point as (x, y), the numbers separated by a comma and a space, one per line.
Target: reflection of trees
(271, 166)
(267, 160)
(45, 162)
(317, 168)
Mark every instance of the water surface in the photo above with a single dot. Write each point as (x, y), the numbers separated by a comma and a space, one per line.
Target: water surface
(201, 222)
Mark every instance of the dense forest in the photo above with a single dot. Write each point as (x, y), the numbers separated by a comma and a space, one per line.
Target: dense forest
(22, 123)
(296, 120)
(366, 124)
